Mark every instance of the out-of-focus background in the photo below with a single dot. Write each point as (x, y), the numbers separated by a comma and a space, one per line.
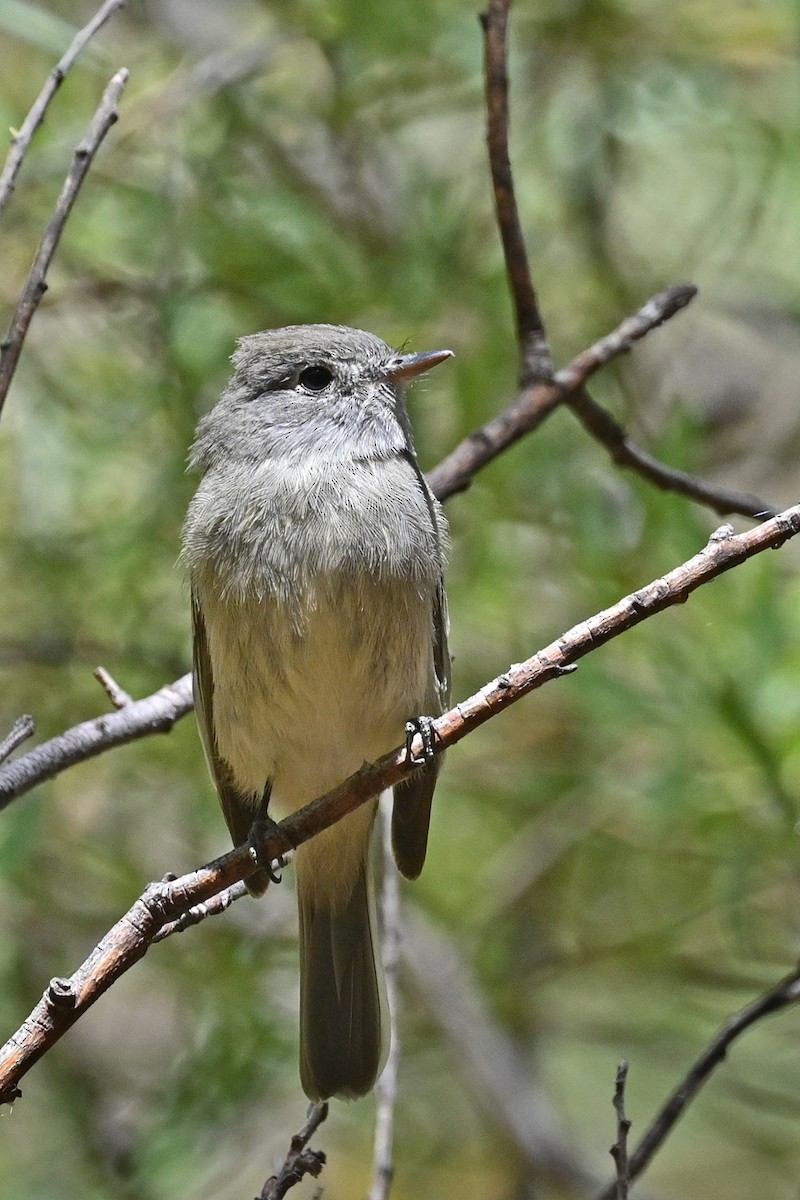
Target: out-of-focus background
(613, 864)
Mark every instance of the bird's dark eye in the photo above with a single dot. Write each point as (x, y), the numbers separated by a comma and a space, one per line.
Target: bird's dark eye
(315, 378)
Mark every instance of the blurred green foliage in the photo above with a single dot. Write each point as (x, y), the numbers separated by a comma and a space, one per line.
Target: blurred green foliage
(615, 859)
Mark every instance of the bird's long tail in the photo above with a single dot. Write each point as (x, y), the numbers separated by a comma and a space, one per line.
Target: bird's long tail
(343, 1011)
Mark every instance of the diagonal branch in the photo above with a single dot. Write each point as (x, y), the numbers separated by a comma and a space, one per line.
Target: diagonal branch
(535, 402)
(65, 1000)
(215, 906)
(619, 1151)
(538, 397)
(300, 1159)
(783, 995)
(23, 728)
(23, 137)
(536, 361)
(502, 1082)
(36, 284)
(606, 430)
(155, 714)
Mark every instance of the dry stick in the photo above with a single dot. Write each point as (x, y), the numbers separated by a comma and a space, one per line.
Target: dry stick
(606, 429)
(116, 694)
(536, 362)
(36, 285)
(158, 713)
(214, 907)
(155, 714)
(300, 1161)
(22, 138)
(66, 1000)
(386, 1087)
(23, 728)
(456, 472)
(619, 1151)
(784, 994)
(535, 403)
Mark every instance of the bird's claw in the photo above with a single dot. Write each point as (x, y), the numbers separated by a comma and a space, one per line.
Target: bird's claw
(259, 830)
(425, 728)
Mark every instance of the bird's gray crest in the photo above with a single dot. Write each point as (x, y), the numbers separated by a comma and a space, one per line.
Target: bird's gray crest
(266, 411)
(295, 346)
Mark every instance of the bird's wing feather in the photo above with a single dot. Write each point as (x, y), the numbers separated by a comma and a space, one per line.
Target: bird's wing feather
(239, 809)
(411, 812)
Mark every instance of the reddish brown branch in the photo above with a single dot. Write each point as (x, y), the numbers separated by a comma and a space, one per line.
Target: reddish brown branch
(783, 995)
(538, 396)
(213, 907)
(36, 284)
(22, 138)
(66, 1000)
(536, 362)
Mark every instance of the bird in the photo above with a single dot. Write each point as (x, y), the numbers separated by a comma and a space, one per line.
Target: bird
(315, 551)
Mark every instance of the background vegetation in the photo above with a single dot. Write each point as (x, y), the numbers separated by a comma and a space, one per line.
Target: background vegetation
(614, 861)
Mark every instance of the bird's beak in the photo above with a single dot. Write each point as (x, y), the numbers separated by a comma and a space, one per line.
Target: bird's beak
(406, 366)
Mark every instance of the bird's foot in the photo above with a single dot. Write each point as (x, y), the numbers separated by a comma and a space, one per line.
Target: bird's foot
(261, 828)
(425, 728)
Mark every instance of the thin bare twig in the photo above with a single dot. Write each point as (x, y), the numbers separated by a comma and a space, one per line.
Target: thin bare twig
(456, 472)
(36, 284)
(533, 404)
(536, 363)
(606, 429)
(22, 138)
(783, 995)
(64, 1001)
(23, 728)
(116, 694)
(386, 1087)
(300, 1160)
(155, 714)
(619, 1151)
(537, 397)
(213, 907)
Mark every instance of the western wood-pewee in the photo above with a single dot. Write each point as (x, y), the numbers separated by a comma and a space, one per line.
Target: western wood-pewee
(320, 628)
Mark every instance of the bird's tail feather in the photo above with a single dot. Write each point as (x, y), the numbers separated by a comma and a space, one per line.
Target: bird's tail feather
(343, 1010)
